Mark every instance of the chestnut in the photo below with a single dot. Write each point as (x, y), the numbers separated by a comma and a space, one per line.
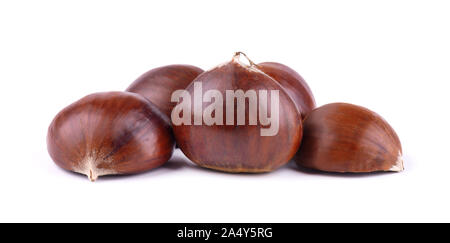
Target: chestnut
(158, 84)
(110, 133)
(293, 83)
(242, 120)
(342, 137)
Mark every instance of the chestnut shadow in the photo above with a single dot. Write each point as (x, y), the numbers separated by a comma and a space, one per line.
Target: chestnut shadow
(71, 173)
(173, 164)
(193, 166)
(231, 174)
(309, 171)
(178, 163)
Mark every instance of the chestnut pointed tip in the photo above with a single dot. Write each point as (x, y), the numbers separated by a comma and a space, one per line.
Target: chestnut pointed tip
(251, 66)
(399, 165)
(91, 170)
(92, 176)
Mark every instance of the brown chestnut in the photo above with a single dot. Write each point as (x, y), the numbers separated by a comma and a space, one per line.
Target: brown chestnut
(342, 137)
(158, 84)
(293, 83)
(253, 124)
(110, 133)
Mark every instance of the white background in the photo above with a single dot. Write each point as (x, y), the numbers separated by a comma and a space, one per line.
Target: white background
(390, 56)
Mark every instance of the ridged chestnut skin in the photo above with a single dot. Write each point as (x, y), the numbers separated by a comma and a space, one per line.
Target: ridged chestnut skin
(240, 148)
(110, 133)
(293, 83)
(158, 84)
(342, 137)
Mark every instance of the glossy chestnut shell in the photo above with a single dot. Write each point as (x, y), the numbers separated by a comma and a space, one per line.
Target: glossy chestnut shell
(240, 148)
(342, 137)
(293, 83)
(110, 133)
(158, 84)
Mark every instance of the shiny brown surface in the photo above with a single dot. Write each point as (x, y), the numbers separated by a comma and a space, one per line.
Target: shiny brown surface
(293, 83)
(158, 84)
(342, 137)
(110, 133)
(241, 148)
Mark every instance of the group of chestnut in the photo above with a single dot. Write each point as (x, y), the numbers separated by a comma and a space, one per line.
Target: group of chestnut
(129, 132)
